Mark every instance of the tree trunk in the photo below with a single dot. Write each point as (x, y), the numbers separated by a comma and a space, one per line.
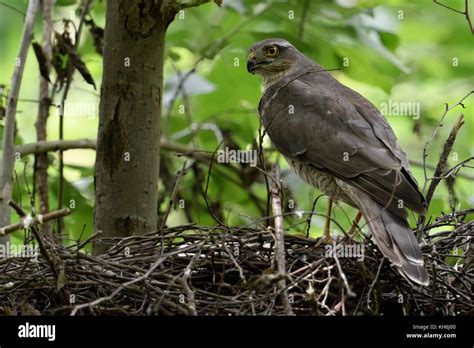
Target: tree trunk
(128, 154)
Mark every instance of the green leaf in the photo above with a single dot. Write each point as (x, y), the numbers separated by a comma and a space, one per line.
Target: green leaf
(173, 56)
(389, 40)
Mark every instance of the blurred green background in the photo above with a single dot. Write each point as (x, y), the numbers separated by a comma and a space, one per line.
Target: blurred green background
(391, 51)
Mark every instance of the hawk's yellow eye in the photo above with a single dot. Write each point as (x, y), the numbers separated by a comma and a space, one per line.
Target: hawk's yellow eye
(272, 51)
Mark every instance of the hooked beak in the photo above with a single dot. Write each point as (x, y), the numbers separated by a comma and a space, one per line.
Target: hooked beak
(251, 66)
(251, 63)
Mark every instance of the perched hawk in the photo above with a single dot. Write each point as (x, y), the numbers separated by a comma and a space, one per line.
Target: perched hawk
(337, 141)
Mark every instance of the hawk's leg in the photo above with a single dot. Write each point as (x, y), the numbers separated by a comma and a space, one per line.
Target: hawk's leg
(327, 224)
(354, 226)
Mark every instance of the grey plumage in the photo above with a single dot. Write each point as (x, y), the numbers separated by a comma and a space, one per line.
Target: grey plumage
(337, 141)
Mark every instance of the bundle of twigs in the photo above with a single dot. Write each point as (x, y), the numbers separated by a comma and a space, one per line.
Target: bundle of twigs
(195, 270)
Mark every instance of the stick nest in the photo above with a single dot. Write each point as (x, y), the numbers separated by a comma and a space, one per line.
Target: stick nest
(191, 270)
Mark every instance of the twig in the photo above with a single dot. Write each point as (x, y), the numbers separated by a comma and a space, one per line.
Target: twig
(184, 282)
(440, 124)
(443, 158)
(454, 171)
(83, 243)
(206, 189)
(241, 271)
(371, 288)
(440, 168)
(279, 238)
(350, 293)
(174, 194)
(465, 13)
(429, 166)
(55, 145)
(310, 216)
(449, 217)
(8, 155)
(39, 219)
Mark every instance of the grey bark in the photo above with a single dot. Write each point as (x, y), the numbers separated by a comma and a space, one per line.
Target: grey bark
(7, 162)
(127, 162)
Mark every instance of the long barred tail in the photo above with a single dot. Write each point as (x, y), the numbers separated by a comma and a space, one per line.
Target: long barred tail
(393, 236)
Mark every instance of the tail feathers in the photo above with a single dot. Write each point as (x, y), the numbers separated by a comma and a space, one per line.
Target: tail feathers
(403, 237)
(394, 237)
(416, 273)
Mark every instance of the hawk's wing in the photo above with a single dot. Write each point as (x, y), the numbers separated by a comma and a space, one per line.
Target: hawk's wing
(311, 117)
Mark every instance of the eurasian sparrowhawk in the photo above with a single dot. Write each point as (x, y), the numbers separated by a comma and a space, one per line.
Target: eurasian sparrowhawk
(337, 141)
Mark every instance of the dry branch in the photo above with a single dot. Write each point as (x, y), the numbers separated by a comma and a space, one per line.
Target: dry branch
(55, 145)
(64, 145)
(279, 238)
(441, 163)
(441, 167)
(174, 194)
(29, 221)
(431, 167)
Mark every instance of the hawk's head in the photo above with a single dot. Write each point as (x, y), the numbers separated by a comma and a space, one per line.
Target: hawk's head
(271, 56)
